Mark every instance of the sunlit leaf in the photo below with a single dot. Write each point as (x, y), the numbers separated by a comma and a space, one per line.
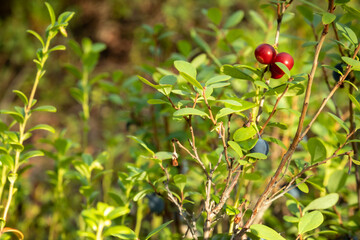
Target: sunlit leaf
(310, 221)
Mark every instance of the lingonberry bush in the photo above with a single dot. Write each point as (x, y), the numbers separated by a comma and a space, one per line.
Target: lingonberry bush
(241, 133)
(232, 109)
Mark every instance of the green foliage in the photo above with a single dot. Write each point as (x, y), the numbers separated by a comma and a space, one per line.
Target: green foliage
(183, 127)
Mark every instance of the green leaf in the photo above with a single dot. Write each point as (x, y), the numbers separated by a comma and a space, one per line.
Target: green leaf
(51, 13)
(191, 80)
(306, 12)
(58, 48)
(158, 229)
(302, 186)
(185, 67)
(256, 155)
(277, 141)
(7, 160)
(169, 81)
(231, 211)
(147, 82)
(98, 47)
(323, 202)
(253, 176)
(219, 85)
(156, 101)
(236, 147)
(215, 15)
(258, 20)
(317, 150)
(284, 68)
(35, 34)
(184, 47)
(121, 232)
(17, 146)
(22, 96)
(348, 33)
(3, 150)
(354, 101)
(189, 111)
(261, 84)
(73, 70)
(234, 19)
(265, 232)
(164, 155)
(17, 116)
(355, 64)
(310, 221)
(244, 133)
(65, 17)
(31, 154)
(140, 195)
(337, 180)
(235, 72)
(142, 144)
(291, 219)
(224, 112)
(117, 212)
(46, 108)
(216, 79)
(312, 5)
(355, 13)
(199, 41)
(180, 181)
(340, 121)
(327, 18)
(230, 102)
(43, 127)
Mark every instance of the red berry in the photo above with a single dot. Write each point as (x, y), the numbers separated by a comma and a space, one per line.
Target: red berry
(284, 58)
(274, 74)
(265, 53)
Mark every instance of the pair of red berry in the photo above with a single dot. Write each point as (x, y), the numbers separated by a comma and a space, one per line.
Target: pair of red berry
(266, 54)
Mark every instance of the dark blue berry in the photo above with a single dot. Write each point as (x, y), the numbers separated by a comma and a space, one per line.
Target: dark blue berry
(261, 146)
(156, 203)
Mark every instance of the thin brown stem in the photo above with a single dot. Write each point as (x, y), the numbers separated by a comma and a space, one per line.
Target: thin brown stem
(195, 100)
(174, 200)
(209, 108)
(274, 108)
(194, 156)
(172, 103)
(230, 184)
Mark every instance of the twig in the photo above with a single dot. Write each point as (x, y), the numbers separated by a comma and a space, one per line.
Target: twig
(274, 108)
(172, 103)
(225, 145)
(228, 189)
(195, 100)
(195, 157)
(173, 199)
(209, 108)
(281, 8)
